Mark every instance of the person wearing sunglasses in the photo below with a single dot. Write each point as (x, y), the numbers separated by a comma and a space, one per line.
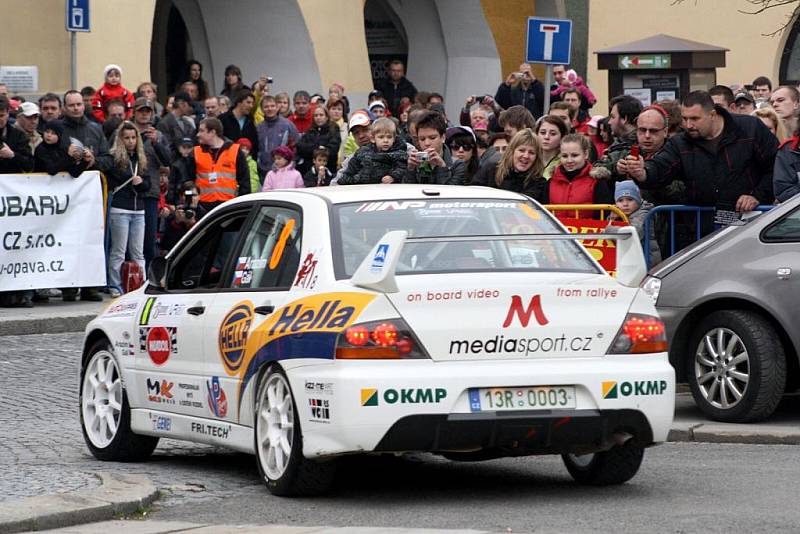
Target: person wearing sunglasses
(463, 145)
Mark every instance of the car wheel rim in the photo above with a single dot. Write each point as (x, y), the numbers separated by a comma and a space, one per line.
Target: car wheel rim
(101, 401)
(275, 426)
(722, 368)
(582, 460)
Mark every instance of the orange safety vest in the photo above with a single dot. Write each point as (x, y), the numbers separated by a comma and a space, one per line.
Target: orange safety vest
(216, 180)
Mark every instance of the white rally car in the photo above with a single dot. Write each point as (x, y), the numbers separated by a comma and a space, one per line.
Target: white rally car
(303, 325)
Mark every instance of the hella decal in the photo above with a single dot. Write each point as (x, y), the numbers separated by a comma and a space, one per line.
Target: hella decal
(233, 335)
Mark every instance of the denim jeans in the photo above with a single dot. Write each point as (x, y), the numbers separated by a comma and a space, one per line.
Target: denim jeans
(150, 229)
(127, 231)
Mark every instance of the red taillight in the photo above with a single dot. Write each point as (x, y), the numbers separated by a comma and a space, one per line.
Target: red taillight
(378, 340)
(357, 336)
(640, 334)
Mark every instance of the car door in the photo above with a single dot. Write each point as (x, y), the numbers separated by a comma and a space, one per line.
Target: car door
(778, 270)
(264, 267)
(169, 335)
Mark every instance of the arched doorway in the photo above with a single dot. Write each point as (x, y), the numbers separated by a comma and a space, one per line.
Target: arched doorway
(171, 48)
(386, 38)
(790, 58)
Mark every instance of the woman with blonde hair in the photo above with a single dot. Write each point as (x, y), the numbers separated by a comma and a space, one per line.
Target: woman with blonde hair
(771, 120)
(519, 169)
(128, 181)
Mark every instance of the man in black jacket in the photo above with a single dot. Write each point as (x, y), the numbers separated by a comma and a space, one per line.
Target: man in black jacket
(725, 160)
(15, 152)
(396, 88)
(94, 149)
(237, 122)
(521, 88)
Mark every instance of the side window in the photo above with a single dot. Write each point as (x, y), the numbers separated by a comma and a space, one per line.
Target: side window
(785, 229)
(201, 266)
(270, 253)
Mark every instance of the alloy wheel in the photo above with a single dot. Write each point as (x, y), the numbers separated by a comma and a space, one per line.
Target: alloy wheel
(275, 426)
(722, 368)
(102, 399)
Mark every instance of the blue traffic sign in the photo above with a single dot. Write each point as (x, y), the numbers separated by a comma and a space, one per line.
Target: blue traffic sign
(549, 41)
(78, 15)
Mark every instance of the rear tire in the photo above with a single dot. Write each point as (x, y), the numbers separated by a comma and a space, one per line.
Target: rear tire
(279, 442)
(736, 367)
(105, 413)
(614, 466)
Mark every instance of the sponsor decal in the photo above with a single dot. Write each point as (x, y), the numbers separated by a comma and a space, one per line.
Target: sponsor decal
(522, 346)
(144, 319)
(192, 398)
(320, 410)
(306, 277)
(233, 336)
(390, 205)
(612, 389)
(319, 388)
(160, 392)
(217, 400)
(159, 342)
(370, 396)
(393, 205)
(125, 348)
(161, 423)
(523, 314)
(243, 274)
(303, 328)
(167, 310)
(122, 309)
(379, 260)
(258, 263)
(459, 294)
(217, 431)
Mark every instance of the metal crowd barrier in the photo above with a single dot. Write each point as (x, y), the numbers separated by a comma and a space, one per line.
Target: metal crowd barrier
(672, 209)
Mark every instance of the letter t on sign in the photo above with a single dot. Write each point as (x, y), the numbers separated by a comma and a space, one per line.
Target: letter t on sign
(548, 30)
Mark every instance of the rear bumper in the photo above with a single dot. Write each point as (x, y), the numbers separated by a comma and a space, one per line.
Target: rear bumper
(422, 405)
(554, 432)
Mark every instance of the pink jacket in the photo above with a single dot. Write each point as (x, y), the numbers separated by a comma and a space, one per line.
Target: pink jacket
(581, 86)
(285, 178)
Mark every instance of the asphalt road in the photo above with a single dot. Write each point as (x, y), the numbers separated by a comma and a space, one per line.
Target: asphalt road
(681, 487)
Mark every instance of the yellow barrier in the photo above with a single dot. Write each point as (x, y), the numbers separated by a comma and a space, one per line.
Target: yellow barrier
(577, 208)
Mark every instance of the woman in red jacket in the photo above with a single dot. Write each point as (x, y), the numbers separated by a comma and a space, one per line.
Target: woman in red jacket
(571, 183)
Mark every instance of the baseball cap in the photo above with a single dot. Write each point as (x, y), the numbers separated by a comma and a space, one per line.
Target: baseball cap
(142, 102)
(375, 94)
(595, 121)
(746, 96)
(359, 118)
(376, 104)
(186, 141)
(29, 109)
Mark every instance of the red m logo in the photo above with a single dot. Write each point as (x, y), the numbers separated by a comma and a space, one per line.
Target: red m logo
(524, 314)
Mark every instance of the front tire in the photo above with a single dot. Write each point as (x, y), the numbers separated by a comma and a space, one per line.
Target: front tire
(279, 442)
(105, 413)
(614, 466)
(737, 370)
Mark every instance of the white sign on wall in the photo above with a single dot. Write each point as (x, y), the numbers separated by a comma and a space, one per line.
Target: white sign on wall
(20, 79)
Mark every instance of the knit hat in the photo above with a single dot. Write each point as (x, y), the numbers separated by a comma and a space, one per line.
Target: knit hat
(283, 151)
(55, 126)
(594, 122)
(627, 188)
(111, 67)
(377, 104)
(245, 142)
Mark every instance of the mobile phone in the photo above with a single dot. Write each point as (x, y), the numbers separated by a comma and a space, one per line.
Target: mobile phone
(269, 79)
(635, 151)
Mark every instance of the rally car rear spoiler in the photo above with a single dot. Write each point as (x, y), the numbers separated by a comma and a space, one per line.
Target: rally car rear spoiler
(377, 270)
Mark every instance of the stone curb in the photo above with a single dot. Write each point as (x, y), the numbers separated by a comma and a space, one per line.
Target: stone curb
(118, 494)
(45, 325)
(702, 433)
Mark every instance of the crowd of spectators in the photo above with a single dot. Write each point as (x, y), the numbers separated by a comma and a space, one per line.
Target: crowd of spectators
(168, 164)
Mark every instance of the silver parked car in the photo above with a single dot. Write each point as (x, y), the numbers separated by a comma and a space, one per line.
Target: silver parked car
(731, 304)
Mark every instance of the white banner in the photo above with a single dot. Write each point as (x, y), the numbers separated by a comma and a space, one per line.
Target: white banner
(51, 231)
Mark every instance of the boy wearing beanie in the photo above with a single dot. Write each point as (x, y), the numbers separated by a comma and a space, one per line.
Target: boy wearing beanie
(628, 199)
(112, 89)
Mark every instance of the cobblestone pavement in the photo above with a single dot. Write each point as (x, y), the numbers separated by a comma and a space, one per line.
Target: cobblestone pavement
(41, 446)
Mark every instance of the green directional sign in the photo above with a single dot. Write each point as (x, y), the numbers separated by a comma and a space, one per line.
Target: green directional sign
(645, 61)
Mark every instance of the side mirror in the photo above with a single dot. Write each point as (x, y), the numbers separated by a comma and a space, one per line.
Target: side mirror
(631, 266)
(157, 272)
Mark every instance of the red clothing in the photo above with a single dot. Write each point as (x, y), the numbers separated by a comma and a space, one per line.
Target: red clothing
(303, 124)
(599, 145)
(106, 94)
(579, 190)
(581, 127)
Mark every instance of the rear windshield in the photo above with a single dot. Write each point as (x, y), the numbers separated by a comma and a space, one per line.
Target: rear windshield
(357, 227)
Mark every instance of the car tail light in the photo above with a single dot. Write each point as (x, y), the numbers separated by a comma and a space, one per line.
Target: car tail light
(379, 340)
(640, 334)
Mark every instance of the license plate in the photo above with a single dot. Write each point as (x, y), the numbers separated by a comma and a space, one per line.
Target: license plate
(522, 398)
